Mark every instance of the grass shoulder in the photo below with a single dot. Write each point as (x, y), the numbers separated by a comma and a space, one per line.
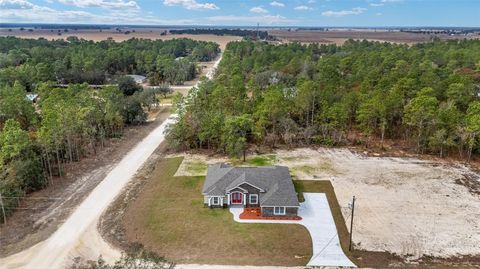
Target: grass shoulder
(168, 217)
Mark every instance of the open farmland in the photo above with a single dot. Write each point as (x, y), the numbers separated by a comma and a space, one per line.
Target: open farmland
(104, 34)
(340, 36)
(405, 206)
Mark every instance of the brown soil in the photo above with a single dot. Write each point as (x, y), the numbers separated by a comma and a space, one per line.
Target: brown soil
(40, 213)
(97, 35)
(340, 36)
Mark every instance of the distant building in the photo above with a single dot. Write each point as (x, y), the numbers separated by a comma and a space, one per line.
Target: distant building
(138, 78)
(32, 97)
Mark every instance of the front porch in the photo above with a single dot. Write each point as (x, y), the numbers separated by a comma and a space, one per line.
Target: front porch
(255, 213)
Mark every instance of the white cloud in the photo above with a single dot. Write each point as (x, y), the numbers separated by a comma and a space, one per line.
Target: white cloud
(311, 1)
(15, 4)
(376, 4)
(191, 4)
(341, 13)
(111, 4)
(379, 14)
(26, 12)
(243, 20)
(277, 4)
(258, 9)
(302, 7)
(391, 1)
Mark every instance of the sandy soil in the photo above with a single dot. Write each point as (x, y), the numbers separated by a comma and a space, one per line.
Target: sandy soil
(39, 217)
(105, 34)
(404, 205)
(75, 236)
(340, 36)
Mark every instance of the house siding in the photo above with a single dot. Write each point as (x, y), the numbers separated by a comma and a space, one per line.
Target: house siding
(251, 190)
(206, 198)
(289, 212)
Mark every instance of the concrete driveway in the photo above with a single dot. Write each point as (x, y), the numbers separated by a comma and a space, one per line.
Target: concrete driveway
(318, 219)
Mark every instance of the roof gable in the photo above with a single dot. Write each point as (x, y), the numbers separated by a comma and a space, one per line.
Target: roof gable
(273, 181)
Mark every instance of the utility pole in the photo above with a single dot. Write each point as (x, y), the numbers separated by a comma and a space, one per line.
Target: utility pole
(351, 223)
(3, 210)
(258, 31)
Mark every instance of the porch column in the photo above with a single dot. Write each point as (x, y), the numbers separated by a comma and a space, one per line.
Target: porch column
(209, 199)
(228, 199)
(244, 199)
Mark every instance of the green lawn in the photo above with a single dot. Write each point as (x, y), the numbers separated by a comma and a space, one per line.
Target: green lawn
(168, 217)
(196, 167)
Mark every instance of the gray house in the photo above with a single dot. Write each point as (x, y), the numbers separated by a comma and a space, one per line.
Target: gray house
(269, 188)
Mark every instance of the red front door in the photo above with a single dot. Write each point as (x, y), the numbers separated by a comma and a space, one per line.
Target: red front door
(237, 198)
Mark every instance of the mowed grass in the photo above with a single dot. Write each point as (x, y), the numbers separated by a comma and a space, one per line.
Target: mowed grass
(168, 217)
(256, 160)
(196, 167)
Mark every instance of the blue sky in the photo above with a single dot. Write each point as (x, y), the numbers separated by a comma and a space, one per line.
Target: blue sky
(247, 12)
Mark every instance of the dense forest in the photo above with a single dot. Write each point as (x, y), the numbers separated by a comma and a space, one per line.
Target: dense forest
(44, 127)
(425, 96)
(215, 31)
(74, 60)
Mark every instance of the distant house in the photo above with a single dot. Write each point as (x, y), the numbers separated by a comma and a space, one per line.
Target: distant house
(268, 188)
(32, 97)
(138, 79)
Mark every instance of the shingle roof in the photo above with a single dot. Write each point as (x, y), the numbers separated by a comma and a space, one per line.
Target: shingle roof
(275, 181)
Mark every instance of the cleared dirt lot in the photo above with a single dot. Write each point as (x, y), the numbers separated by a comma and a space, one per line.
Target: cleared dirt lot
(97, 35)
(340, 36)
(405, 206)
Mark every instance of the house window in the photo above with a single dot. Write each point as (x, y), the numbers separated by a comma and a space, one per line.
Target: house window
(279, 210)
(253, 198)
(215, 200)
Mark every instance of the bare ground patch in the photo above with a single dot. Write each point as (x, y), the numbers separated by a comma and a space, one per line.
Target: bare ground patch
(104, 34)
(407, 206)
(38, 217)
(340, 36)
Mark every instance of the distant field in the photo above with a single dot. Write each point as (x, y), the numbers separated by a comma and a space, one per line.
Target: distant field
(339, 37)
(97, 35)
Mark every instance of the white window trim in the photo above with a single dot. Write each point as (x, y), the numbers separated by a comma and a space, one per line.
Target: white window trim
(250, 199)
(279, 214)
(213, 200)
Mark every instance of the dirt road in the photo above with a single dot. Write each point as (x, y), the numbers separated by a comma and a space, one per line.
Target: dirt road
(57, 251)
(52, 252)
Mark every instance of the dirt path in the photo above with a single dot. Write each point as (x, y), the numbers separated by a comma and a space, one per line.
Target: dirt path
(75, 236)
(40, 214)
(54, 252)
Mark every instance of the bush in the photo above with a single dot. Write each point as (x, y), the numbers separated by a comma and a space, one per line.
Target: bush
(133, 112)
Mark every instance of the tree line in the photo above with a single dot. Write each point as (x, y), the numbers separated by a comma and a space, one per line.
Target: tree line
(65, 125)
(424, 95)
(221, 32)
(40, 136)
(74, 60)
